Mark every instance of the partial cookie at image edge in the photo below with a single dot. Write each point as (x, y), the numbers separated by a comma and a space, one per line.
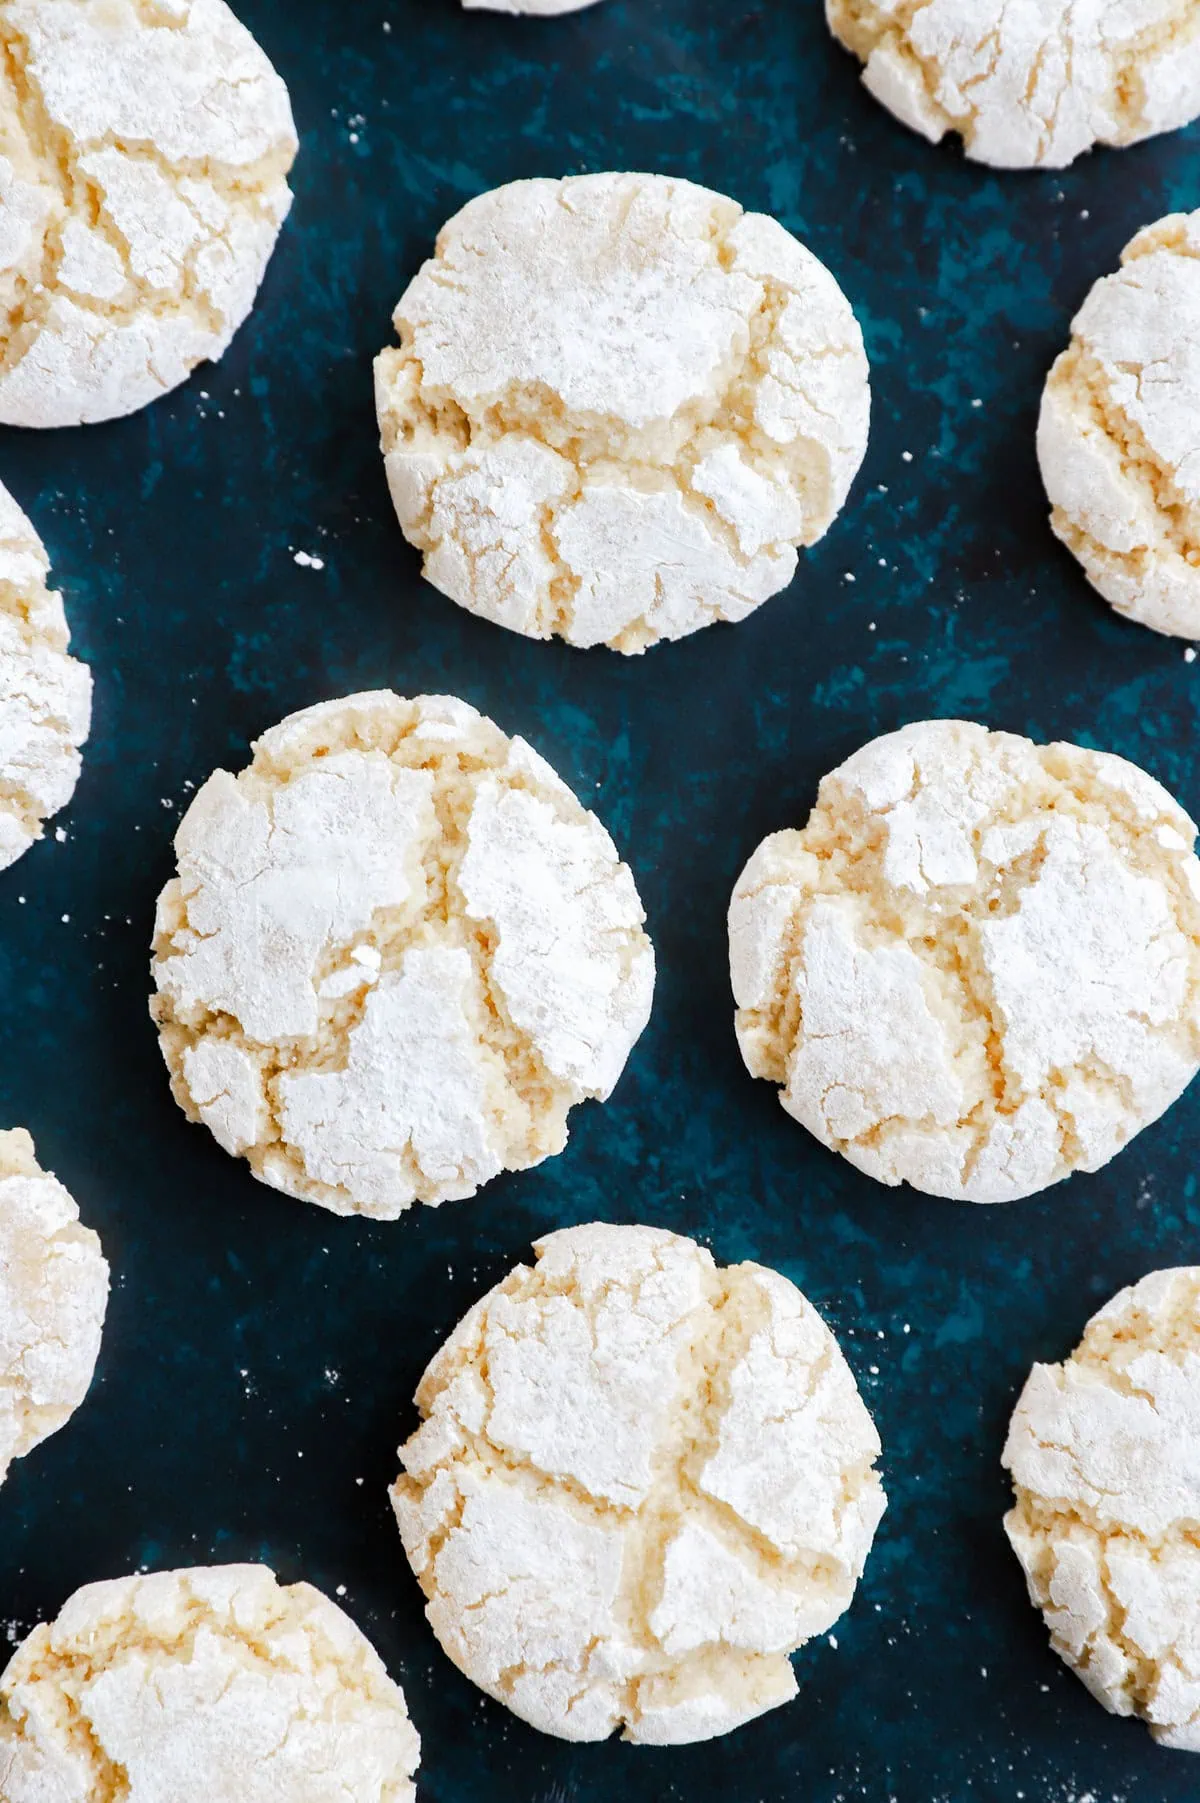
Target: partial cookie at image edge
(212, 1684)
(45, 694)
(1117, 443)
(148, 149)
(1104, 1455)
(1030, 87)
(528, 8)
(54, 1284)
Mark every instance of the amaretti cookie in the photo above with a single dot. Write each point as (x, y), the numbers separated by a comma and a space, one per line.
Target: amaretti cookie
(977, 968)
(1104, 1452)
(212, 1685)
(641, 1482)
(1119, 432)
(144, 152)
(619, 405)
(53, 1297)
(1028, 85)
(397, 952)
(45, 695)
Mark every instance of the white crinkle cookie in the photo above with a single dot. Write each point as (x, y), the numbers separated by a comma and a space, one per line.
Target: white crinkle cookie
(53, 1297)
(45, 695)
(640, 1484)
(144, 150)
(1119, 432)
(619, 405)
(1104, 1452)
(1028, 83)
(397, 952)
(210, 1685)
(977, 968)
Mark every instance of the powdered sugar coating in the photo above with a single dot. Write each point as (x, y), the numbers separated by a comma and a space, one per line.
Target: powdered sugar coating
(641, 1483)
(144, 150)
(1028, 83)
(1118, 438)
(212, 1685)
(619, 405)
(1104, 1452)
(53, 1297)
(397, 953)
(45, 695)
(977, 969)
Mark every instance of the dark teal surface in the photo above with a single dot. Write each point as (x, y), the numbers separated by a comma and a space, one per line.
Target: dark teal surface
(260, 1355)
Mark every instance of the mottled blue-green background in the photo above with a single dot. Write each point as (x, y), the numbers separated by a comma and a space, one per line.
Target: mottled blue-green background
(260, 1355)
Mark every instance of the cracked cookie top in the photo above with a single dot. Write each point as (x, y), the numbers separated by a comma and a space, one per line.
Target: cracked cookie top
(641, 1483)
(144, 150)
(211, 1685)
(618, 405)
(1119, 431)
(45, 695)
(1104, 1452)
(1028, 83)
(53, 1297)
(397, 952)
(977, 968)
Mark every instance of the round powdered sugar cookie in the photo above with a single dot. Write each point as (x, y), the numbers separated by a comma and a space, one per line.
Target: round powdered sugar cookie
(53, 1297)
(977, 968)
(1104, 1452)
(45, 695)
(640, 1484)
(144, 150)
(211, 1685)
(397, 952)
(1119, 438)
(619, 405)
(1031, 84)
